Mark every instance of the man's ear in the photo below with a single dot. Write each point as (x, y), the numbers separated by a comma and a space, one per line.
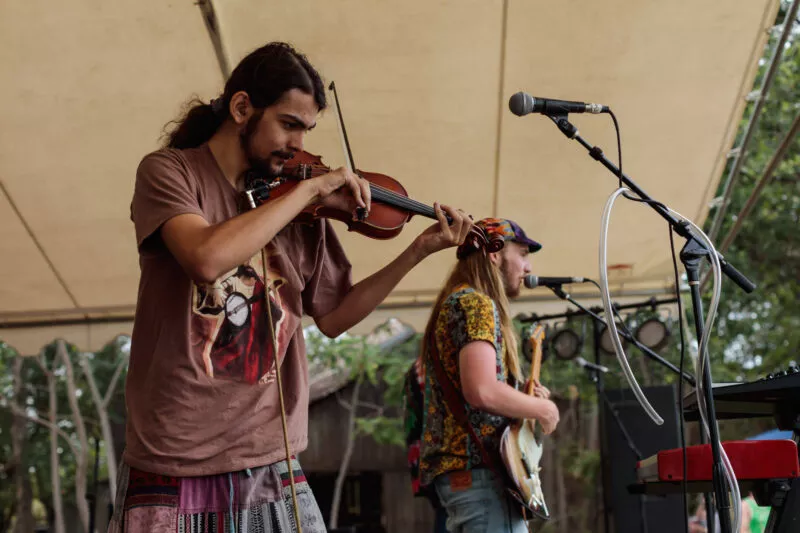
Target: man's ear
(495, 258)
(240, 107)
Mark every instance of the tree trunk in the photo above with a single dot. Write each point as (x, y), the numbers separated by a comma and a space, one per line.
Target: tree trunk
(55, 479)
(105, 427)
(44, 497)
(82, 458)
(646, 377)
(348, 452)
(593, 435)
(562, 493)
(5, 517)
(24, 495)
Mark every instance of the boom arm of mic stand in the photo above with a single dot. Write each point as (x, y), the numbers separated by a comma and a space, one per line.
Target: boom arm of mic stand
(558, 291)
(571, 132)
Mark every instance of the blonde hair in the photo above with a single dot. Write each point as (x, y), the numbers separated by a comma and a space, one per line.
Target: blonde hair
(480, 273)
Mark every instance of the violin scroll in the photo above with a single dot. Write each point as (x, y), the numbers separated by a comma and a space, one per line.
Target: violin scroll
(478, 239)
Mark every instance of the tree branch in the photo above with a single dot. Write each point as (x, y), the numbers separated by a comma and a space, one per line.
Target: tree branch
(342, 402)
(112, 384)
(81, 460)
(40, 363)
(370, 405)
(348, 452)
(52, 427)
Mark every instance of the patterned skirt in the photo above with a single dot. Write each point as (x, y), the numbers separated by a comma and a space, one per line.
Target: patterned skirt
(256, 500)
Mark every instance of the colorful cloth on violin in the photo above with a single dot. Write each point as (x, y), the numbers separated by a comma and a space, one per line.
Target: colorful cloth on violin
(465, 316)
(257, 500)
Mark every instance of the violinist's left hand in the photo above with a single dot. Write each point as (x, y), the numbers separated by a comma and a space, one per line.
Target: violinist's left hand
(443, 235)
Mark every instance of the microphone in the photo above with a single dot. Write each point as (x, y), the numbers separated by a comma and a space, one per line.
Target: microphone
(532, 281)
(522, 104)
(583, 363)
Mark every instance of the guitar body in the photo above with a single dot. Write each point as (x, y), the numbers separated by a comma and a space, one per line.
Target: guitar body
(521, 446)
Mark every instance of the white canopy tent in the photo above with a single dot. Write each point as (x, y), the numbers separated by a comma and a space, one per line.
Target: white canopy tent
(87, 86)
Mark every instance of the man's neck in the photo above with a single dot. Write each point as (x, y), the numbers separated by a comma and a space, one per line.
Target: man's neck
(226, 147)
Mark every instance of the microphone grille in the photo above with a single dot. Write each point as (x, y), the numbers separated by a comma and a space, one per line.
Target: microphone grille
(531, 281)
(520, 104)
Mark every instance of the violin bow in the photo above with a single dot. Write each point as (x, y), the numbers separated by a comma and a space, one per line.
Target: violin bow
(361, 213)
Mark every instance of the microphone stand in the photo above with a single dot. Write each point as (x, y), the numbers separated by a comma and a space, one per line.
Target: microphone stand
(691, 255)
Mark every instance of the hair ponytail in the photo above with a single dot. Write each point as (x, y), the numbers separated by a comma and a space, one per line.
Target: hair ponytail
(265, 74)
(197, 126)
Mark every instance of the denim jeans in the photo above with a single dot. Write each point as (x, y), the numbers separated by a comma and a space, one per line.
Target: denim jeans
(476, 502)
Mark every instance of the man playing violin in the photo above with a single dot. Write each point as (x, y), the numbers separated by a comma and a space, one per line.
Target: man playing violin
(220, 302)
(471, 369)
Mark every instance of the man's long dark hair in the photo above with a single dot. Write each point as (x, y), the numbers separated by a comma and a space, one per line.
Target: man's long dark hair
(265, 74)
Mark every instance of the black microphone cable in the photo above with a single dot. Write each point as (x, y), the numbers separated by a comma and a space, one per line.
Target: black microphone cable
(619, 143)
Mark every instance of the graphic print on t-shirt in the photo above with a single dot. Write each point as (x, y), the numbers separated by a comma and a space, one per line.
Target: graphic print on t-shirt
(230, 320)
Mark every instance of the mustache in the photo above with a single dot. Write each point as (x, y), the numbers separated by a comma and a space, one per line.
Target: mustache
(283, 155)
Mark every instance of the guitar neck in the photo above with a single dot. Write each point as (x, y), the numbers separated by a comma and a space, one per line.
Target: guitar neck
(536, 366)
(536, 338)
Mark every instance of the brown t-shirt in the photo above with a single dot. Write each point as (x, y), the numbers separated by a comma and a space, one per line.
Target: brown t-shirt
(201, 391)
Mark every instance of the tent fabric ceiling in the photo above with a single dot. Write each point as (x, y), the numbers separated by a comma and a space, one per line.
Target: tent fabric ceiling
(423, 85)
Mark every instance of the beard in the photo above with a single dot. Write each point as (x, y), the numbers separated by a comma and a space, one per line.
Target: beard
(511, 286)
(260, 166)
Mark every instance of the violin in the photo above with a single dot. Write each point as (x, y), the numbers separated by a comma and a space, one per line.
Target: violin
(391, 208)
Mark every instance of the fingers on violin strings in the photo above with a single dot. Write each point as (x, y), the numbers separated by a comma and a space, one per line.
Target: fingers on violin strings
(354, 182)
(457, 223)
(437, 209)
(366, 193)
(466, 227)
(444, 226)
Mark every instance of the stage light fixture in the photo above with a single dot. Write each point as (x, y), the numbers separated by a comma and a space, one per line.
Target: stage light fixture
(566, 344)
(606, 345)
(653, 333)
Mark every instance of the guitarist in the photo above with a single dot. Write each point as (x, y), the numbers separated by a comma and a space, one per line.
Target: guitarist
(471, 373)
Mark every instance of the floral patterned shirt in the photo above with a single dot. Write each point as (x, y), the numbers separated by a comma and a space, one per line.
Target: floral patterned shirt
(465, 316)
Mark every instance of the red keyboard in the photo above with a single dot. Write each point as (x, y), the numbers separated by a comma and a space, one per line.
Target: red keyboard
(751, 459)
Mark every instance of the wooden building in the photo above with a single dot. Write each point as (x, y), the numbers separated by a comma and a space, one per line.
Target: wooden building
(377, 493)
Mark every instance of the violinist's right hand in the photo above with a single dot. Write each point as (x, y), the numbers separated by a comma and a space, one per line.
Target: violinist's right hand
(342, 189)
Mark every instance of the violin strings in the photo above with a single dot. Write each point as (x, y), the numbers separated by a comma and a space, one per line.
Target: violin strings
(387, 195)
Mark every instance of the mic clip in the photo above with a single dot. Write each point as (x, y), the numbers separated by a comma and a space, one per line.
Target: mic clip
(558, 290)
(563, 124)
(580, 361)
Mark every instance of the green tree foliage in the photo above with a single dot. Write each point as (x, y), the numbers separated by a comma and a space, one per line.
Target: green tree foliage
(759, 333)
(35, 398)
